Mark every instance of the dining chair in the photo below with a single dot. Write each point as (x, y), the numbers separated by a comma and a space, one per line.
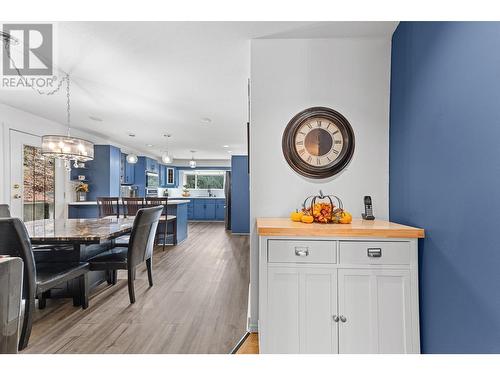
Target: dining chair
(108, 206)
(130, 206)
(140, 249)
(4, 210)
(164, 219)
(38, 279)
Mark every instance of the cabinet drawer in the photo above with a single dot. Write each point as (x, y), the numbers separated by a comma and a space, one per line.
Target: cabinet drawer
(286, 251)
(374, 252)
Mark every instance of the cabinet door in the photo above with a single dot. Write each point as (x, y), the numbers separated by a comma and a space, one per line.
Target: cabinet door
(302, 302)
(170, 176)
(129, 173)
(220, 211)
(199, 209)
(376, 306)
(209, 209)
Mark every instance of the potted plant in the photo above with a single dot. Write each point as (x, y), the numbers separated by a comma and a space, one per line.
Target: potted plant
(185, 191)
(81, 191)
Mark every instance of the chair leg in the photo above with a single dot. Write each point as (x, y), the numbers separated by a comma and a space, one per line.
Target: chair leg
(131, 278)
(149, 266)
(42, 299)
(84, 290)
(114, 277)
(24, 337)
(109, 277)
(164, 235)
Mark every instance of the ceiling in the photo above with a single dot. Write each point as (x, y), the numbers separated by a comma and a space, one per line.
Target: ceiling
(153, 78)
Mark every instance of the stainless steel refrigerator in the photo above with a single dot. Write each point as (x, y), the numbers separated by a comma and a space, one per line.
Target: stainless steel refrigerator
(227, 192)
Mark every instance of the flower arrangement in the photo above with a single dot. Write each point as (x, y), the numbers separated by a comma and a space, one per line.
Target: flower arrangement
(185, 191)
(82, 188)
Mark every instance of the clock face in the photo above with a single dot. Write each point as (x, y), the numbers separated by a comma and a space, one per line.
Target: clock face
(318, 142)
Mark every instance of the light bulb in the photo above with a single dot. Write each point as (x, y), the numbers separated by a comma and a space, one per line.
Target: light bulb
(132, 158)
(166, 158)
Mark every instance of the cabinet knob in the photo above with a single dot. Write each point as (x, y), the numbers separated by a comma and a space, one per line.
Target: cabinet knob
(335, 318)
(343, 319)
(301, 251)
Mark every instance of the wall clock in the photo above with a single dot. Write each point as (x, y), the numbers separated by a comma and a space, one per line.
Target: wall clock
(318, 142)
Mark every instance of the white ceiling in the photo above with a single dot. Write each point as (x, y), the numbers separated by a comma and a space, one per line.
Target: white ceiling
(152, 78)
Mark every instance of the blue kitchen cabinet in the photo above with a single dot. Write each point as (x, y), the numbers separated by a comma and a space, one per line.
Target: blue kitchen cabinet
(152, 165)
(104, 172)
(210, 209)
(220, 209)
(190, 210)
(170, 173)
(240, 194)
(163, 175)
(127, 171)
(199, 209)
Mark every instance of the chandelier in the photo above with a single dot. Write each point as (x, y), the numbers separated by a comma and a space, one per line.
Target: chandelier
(66, 147)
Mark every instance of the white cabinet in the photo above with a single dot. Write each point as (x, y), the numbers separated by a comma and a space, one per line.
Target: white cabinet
(365, 300)
(374, 310)
(300, 318)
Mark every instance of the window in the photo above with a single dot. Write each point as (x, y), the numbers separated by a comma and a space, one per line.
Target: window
(39, 185)
(204, 179)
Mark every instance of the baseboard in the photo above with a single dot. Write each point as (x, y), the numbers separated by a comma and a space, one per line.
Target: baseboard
(240, 234)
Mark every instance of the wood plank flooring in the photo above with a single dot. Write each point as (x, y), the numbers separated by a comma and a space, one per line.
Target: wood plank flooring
(251, 345)
(198, 304)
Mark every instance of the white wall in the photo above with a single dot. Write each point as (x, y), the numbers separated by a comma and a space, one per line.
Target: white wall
(15, 119)
(350, 75)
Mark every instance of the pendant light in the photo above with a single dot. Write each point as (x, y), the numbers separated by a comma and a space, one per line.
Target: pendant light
(66, 147)
(165, 156)
(192, 162)
(132, 158)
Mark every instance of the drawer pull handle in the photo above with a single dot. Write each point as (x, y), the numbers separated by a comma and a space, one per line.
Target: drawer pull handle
(374, 252)
(343, 319)
(335, 318)
(301, 251)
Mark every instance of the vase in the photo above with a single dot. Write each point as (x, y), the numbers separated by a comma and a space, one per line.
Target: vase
(81, 196)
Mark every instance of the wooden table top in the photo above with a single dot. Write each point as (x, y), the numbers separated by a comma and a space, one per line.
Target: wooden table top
(55, 231)
(358, 228)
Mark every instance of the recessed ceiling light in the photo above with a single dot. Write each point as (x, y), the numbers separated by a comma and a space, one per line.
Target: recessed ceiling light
(229, 151)
(206, 120)
(225, 146)
(149, 145)
(94, 118)
(131, 134)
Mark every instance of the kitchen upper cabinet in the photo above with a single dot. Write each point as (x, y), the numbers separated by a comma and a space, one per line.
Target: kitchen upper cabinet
(152, 165)
(167, 176)
(301, 317)
(127, 171)
(375, 305)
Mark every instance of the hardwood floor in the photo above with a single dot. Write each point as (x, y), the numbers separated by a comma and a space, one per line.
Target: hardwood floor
(251, 345)
(198, 304)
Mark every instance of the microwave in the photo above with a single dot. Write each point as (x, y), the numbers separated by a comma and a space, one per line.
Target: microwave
(152, 180)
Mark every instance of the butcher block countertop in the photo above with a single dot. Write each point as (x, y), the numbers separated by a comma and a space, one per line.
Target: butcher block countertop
(358, 228)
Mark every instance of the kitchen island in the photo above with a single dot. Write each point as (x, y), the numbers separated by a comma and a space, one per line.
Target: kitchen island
(338, 288)
(178, 208)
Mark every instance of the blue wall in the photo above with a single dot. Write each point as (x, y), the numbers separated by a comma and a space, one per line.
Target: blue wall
(445, 176)
(240, 194)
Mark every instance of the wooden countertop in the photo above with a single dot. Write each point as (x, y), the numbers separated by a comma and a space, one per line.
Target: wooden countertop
(358, 228)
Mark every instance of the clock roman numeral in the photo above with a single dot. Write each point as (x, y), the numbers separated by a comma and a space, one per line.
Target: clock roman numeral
(335, 151)
(328, 125)
(299, 142)
(335, 132)
(309, 126)
(309, 159)
(337, 142)
(302, 133)
(319, 123)
(329, 158)
(301, 151)
(318, 161)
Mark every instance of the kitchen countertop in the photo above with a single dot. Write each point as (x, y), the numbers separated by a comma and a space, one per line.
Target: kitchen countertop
(358, 228)
(196, 197)
(94, 203)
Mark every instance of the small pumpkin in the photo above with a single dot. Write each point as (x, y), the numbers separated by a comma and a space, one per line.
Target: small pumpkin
(308, 219)
(346, 218)
(296, 215)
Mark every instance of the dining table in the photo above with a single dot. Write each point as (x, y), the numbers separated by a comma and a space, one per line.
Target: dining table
(76, 240)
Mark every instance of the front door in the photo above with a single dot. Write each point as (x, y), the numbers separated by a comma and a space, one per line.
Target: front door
(32, 178)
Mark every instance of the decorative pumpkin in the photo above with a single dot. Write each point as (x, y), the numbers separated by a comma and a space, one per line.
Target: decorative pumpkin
(297, 215)
(323, 212)
(346, 218)
(308, 219)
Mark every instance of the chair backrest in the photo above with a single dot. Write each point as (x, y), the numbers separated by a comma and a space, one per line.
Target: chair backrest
(108, 206)
(4, 210)
(143, 235)
(15, 241)
(130, 206)
(156, 201)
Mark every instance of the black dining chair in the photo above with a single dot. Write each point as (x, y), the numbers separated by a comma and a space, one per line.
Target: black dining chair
(140, 249)
(108, 206)
(39, 278)
(4, 210)
(164, 218)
